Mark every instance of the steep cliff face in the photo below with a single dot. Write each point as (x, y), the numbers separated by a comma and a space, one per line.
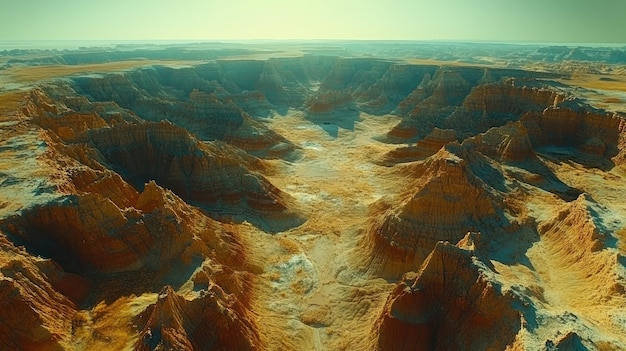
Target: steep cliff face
(434, 99)
(376, 86)
(34, 312)
(495, 104)
(444, 201)
(509, 123)
(424, 148)
(134, 212)
(209, 110)
(64, 122)
(90, 233)
(212, 320)
(507, 144)
(591, 137)
(449, 304)
(117, 242)
(214, 175)
(455, 96)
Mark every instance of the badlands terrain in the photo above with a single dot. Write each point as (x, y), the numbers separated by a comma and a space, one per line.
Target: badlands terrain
(316, 196)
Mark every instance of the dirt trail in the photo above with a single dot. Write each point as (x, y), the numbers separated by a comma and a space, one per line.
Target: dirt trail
(312, 294)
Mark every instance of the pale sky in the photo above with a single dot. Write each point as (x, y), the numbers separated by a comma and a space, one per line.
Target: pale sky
(578, 21)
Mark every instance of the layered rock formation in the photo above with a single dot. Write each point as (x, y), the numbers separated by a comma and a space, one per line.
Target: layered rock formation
(433, 99)
(211, 321)
(449, 304)
(34, 312)
(507, 144)
(422, 149)
(445, 200)
(578, 241)
(116, 241)
(214, 176)
(592, 133)
(495, 104)
(90, 233)
(591, 137)
(213, 113)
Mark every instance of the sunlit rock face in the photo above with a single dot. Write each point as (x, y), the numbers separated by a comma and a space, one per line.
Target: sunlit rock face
(447, 305)
(445, 200)
(593, 137)
(311, 199)
(212, 321)
(213, 175)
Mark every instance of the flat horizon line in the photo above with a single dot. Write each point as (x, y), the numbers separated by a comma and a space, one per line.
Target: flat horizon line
(5, 43)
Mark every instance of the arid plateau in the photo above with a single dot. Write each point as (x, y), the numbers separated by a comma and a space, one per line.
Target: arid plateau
(313, 196)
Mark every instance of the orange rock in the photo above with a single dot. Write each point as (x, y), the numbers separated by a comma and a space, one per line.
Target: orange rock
(328, 102)
(444, 201)
(508, 98)
(210, 321)
(508, 144)
(597, 136)
(106, 183)
(402, 132)
(579, 245)
(447, 305)
(67, 124)
(33, 314)
(212, 175)
(89, 232)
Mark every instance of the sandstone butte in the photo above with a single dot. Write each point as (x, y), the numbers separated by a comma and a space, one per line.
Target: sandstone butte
(310, 203)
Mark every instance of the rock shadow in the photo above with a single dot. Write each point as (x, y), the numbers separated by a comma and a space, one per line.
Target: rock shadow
(331, 123)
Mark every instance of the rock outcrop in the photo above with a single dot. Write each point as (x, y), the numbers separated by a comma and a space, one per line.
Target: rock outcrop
(444, 201)
(578, 241)
(506, 144)
(435, 98)
(449, 304)
(214, 176)
(64, 122)
(135, 204)
(213, 320)
(454, 97)
(208, 110)
(90, 233)
(591, 137)
(34, 314)
(494, 105)
(422, 149)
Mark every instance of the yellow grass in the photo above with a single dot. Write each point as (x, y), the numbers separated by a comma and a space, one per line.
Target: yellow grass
(449, 63)
(37, 73)
(10, 102)
(592, 81)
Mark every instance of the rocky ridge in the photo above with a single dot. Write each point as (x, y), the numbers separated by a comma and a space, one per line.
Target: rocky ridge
(450, 303)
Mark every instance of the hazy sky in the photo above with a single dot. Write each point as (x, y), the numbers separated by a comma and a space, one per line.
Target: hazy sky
(599, 21)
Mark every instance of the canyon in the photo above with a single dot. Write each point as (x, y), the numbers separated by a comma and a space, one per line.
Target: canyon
(313, 197)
